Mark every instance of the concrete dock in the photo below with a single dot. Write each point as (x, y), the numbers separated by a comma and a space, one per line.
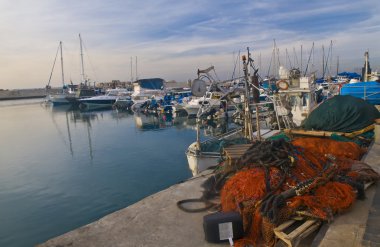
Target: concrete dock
(156, 221)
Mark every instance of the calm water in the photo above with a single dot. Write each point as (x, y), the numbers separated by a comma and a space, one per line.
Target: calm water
(62, 169)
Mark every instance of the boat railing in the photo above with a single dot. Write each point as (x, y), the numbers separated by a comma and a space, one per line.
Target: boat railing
(222, 136)
(365, 91)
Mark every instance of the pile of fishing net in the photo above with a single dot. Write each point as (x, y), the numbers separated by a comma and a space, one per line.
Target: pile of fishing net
(313, 177)
(342, 113)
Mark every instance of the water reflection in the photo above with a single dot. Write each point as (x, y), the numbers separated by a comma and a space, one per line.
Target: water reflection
(144, 121)
(162, 121)
(85, 163)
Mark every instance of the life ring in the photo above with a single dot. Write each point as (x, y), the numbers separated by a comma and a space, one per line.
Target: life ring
(282, 84)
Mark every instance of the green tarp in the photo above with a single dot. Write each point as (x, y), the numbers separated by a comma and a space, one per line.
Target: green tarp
(341, 113)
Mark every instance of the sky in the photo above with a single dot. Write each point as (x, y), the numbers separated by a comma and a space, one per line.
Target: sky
(173, 39)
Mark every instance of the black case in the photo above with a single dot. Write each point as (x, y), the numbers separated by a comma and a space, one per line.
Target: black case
(217, 225)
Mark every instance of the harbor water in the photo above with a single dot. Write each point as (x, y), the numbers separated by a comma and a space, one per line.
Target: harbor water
(61, 169)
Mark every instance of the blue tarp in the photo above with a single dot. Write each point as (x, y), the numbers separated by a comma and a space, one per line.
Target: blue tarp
(151, 83)
(369, 91)
(320, 80)
(349, 75)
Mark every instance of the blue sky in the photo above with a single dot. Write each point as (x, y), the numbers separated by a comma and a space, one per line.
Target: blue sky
(172, 39)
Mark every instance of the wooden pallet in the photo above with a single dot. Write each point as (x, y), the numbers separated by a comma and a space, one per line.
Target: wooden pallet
(234, 152)
(296, 235)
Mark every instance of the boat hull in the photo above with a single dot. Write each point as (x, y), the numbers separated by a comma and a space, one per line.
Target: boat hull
(58, 100)
(93, 105)
(202, 161)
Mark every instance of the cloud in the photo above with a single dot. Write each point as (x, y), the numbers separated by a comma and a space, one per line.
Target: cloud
(173, 38)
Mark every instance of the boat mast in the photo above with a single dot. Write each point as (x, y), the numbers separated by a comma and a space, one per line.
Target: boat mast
(331, 57)
(365, 67)
(131, 70)
(63, 76)
(81, 59)
(248, 130)
(301, 61)
(136, 69)
(323, 62)
(337, 65)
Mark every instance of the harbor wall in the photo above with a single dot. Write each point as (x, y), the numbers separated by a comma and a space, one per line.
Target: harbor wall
(24, 93)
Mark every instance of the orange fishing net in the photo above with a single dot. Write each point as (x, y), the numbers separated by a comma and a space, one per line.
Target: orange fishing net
(315, 176)
(323, 146)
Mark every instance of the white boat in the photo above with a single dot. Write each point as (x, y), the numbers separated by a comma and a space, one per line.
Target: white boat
(202, 160)
(199, 105)
(65, 97)
(104, 101)
(123, 102)
(144, 89)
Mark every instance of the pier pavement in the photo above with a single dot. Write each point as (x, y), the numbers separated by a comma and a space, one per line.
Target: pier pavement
(156, 221)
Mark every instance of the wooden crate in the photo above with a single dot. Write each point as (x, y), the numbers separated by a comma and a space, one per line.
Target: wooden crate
(296, 235)
(234, 152)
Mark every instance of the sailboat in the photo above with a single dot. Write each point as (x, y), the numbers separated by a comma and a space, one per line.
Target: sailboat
(71, 93)
(67, 94)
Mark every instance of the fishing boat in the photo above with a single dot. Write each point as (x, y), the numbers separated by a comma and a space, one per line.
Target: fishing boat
(206, 97)
(291, 104)
(210, 101)
(295, 100)
(202, 155)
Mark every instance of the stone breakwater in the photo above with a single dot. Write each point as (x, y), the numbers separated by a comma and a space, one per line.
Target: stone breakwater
(24, 93)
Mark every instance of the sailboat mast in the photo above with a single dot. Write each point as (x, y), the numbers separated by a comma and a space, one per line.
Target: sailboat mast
(131, 70)
(301, 61)
(337, 65)
(323, 62)
(81, 59)
(136, 69)
(63, 75)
